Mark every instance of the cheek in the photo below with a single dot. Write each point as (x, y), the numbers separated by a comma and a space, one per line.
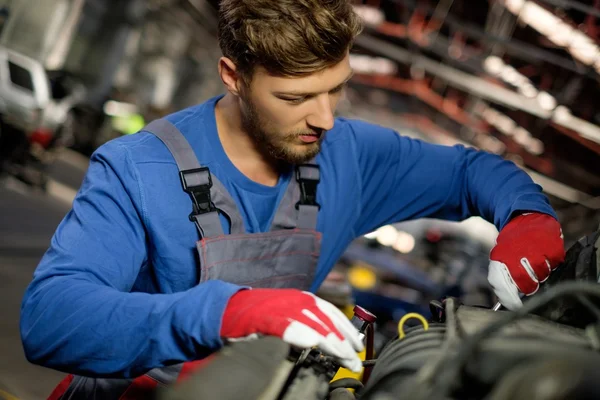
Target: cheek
(334, 99)
(279, 115)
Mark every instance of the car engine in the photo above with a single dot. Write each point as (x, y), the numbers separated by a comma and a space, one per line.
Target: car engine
(547, 350)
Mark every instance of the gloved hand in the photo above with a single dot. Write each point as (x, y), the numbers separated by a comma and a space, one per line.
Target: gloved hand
(299, 318)
(527, 249)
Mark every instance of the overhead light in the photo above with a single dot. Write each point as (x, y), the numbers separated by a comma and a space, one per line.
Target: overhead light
(370, 15)
(371, 236)
(505, 124)
(561, 35)
(512, 76)
(528, 90)
(535, 146)
(509, 127)
(541, 19)
(521, 136)
(562, 114)
(372, 65)
(387, 235)
(583, 49)
(546, 101)
(489, 114)
(384, 66)
(493, 65)
(115, 108)
(514, 5)
(491, 144)
(476, 86)
(581, 46)
(405, 242)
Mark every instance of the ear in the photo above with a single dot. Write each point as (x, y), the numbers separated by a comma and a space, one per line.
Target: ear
(230, 76)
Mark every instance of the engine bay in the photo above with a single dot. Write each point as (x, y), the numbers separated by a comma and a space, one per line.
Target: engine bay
(547, 350)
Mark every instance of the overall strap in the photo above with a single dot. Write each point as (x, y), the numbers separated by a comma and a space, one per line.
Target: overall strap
(308, 177)
(299, 207)
(197, 182)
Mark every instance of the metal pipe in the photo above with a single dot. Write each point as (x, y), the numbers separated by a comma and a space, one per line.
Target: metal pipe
(478, 86)
(570, 4)
(551, 186)
(516, 48)
(458, 79)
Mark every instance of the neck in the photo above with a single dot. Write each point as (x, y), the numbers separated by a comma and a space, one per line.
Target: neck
(239, 146)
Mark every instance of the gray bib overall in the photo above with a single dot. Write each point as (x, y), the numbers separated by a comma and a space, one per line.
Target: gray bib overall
(284, 257)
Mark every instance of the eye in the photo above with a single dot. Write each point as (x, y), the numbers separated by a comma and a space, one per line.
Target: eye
(294, 100)
(337, 89)
(298, 100)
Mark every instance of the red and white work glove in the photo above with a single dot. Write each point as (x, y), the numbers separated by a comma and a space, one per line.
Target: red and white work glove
(527, 250)
(299, 318)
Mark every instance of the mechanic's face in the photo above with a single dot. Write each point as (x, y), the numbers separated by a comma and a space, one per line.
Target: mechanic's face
(288, 117)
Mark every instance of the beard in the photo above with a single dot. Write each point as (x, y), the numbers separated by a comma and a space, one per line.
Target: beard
(278, 146)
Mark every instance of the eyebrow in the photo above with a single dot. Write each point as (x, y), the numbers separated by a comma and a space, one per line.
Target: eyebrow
(308, 94)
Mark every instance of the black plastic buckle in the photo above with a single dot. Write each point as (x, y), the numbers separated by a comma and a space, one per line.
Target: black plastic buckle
(200, 194)
(308, 189)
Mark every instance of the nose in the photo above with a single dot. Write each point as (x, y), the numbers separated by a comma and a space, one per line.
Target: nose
(322, 114)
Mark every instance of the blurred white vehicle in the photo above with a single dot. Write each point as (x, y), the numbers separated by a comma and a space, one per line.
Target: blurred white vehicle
(32, 111)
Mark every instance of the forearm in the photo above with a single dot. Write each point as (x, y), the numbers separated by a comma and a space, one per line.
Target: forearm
(84, 328)
(497, 189)
(405, 179)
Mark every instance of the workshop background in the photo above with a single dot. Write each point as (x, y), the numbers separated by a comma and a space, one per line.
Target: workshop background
(513, 77)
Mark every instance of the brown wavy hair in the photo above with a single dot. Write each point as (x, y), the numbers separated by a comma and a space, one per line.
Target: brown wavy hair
(286, 37)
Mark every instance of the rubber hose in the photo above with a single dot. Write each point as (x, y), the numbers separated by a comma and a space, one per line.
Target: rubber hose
(402, 358)
(341, 394)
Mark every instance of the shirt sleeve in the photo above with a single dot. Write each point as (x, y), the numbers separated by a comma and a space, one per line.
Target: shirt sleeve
(404, 178)
(78, 315)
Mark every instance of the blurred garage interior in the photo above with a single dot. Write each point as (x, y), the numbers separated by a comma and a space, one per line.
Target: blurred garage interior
(517, 78)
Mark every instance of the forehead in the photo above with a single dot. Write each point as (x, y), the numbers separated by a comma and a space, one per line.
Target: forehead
(321, 81)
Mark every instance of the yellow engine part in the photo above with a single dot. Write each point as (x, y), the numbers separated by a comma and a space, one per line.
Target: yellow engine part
(346, 373)
(362, 277)
(348, 311)
(408, 316)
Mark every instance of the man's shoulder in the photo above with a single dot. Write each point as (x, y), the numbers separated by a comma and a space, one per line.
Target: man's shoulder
(356, 135)
(138, 148)
(188, 119)
(352, 123)
(145, 147)
(358, 128)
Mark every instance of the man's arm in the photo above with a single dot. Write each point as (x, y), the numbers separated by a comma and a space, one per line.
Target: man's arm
(404, 179)
(78, 315)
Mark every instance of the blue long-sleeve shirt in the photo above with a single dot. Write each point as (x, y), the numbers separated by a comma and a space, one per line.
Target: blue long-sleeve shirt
(116, 293)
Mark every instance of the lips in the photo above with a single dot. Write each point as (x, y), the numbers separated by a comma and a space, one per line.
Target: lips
(310, 137)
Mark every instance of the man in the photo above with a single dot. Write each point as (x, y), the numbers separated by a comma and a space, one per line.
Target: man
(279, 188)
